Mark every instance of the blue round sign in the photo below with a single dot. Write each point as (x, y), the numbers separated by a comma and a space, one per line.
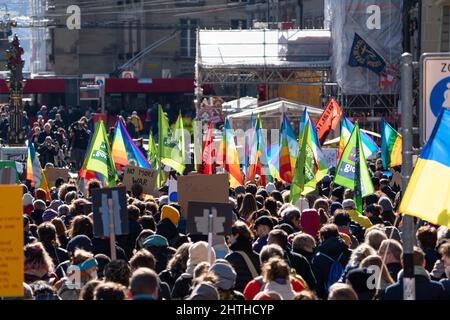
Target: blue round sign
(440, 96)
(173, 197)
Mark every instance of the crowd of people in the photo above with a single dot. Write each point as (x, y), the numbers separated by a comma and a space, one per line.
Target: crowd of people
(317, 248)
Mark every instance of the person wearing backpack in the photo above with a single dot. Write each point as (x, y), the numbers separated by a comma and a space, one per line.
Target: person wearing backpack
(243, 259)
(331, 258)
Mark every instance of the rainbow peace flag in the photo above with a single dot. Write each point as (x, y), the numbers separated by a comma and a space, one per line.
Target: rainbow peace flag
(369, 146)
(124, 150)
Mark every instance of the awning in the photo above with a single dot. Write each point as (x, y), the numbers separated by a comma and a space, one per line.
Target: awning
(170, 85)
(35, 86)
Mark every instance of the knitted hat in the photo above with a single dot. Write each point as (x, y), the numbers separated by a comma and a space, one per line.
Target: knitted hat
(310, 222)
(386, 204)
(49, 215)
(226, 275)
(198, 252)
(80, 241)
(264, 221)
(171, 213)
(204, 291)
(155, 240)
(27, 199)
(349, 204)
(334, 206)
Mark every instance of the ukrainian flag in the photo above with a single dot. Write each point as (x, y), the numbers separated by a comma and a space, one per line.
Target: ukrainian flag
(428, 193)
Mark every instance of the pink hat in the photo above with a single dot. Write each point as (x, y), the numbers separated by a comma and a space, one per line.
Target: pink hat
(310, 222)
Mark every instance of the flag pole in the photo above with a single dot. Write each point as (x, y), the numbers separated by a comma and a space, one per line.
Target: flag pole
(408, 234)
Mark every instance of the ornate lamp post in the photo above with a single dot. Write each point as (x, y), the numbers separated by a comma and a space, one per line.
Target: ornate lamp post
(15, 84)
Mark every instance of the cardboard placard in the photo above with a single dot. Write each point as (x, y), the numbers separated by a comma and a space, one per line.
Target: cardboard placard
(145, 177)
(198, 215)
(11, 242)
(330, 155)
(54, 173)
(202, 188)
(8, 175)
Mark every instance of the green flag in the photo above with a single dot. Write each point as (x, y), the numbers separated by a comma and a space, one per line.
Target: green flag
(304, 180)
(171, 144)
(152, 152)
(99, 157)
(352, 171)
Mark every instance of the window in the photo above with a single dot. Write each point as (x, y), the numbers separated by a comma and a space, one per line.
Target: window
(188, 37)
(238, 24)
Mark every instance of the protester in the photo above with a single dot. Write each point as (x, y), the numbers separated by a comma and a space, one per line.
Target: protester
(426, 289)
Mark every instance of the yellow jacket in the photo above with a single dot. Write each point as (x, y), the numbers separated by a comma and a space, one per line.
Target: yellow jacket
(362, 220)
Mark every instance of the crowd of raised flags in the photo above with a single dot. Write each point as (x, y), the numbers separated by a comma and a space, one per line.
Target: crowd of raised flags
(296, 162)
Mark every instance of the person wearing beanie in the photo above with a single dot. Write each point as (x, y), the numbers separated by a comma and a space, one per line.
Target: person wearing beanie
(263, 225)
(171, 213)
(270, 187)
(80, 241)
(310, 222)
(335, 206)
(198, 253)
(39, 208)
(349, 206)
(49, 215)
(27, 202)
(226, 281)
(159, 247)
(388, 210)
(167, 226)
(204, 291)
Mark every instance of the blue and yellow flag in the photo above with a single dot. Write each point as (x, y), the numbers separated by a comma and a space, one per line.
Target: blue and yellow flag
(428, 193)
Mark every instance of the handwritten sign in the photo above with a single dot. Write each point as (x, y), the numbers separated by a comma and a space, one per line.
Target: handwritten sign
(11, 242)
(202, 188)
(53, 174)
(145, 177)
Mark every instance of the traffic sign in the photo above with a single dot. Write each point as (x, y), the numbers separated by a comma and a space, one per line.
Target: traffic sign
(434, 90)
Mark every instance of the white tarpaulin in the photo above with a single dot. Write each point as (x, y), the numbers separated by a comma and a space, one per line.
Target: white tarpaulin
(379, 24)
(264, 48)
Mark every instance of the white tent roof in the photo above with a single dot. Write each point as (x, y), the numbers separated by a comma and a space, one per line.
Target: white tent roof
(242, 103)
(276, 108)
(256, 48)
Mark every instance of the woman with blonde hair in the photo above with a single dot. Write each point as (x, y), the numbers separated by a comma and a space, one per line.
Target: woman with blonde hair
(358, 254)
(276, 275)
